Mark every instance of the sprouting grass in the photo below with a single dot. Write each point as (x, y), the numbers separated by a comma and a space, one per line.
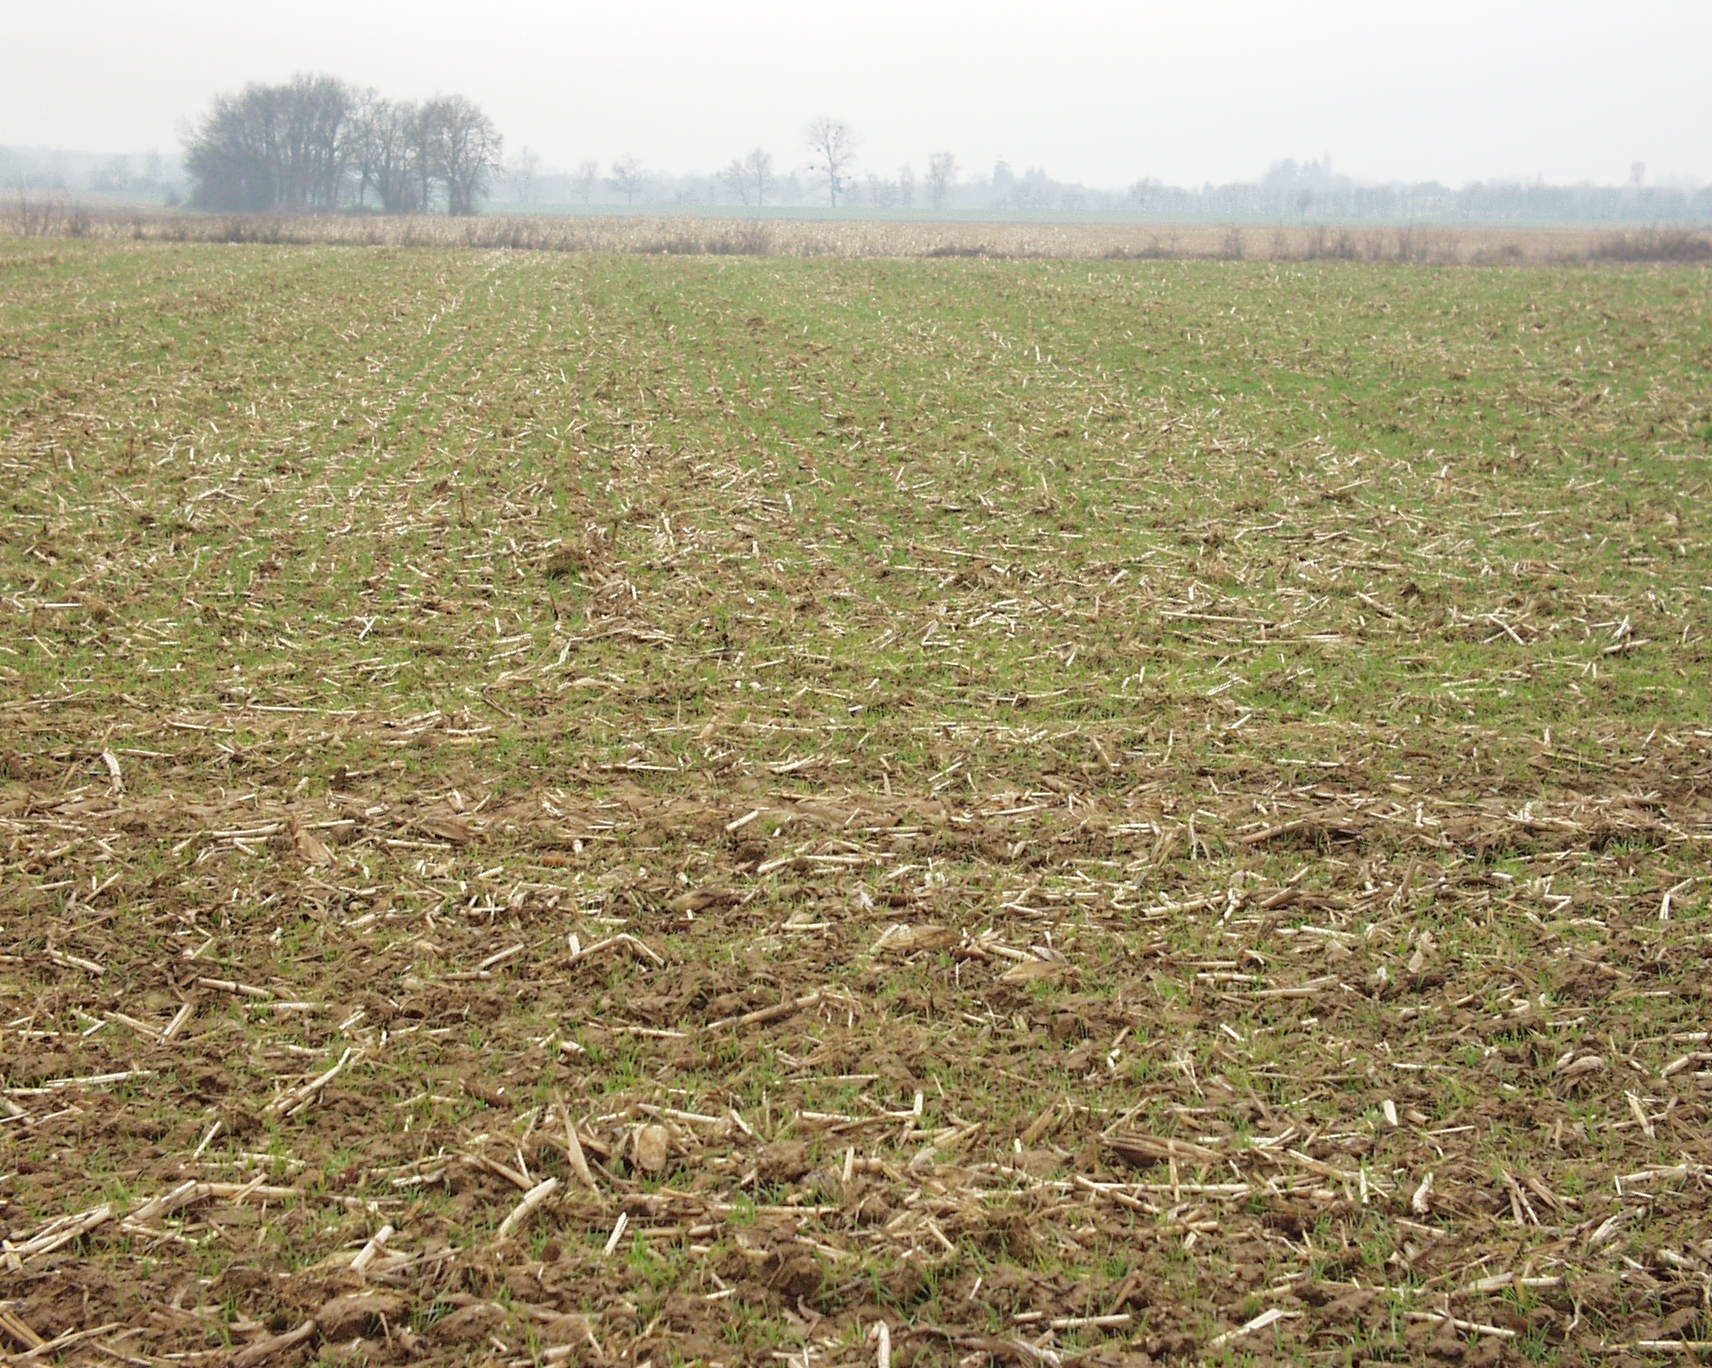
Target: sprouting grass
(1090, 802)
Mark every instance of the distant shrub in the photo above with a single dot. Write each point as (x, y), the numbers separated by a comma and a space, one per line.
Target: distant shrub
(249, 228)
(1322, 246)
(748, 239)
(1510, 254)
(52, 217)
(1654, 244)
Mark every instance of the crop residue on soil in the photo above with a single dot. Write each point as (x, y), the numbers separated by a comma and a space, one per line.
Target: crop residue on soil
(598, 809)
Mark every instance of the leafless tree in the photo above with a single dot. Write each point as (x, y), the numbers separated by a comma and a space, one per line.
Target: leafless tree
(736, 178)
(520, 175)
(1033, 191)
(113, 174)
(317, 128)
(750, 178)
(833, 148)
(465, 148)
(627, 177)
(584, 180)
(906, 186)
(275, 147)
(882, 194)
(315, 144)
(759, 167)
(425, 157)
(941, 172)
(388, 152)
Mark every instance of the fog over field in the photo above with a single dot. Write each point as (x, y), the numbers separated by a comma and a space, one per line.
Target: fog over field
(1094, 91)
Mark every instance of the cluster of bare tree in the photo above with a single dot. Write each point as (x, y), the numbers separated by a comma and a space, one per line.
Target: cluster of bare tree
(316, 144)
(750, 178)
(832, 152)
(753, 180)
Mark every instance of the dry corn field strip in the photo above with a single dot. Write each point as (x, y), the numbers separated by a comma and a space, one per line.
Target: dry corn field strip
(996, 239)
(637, 810)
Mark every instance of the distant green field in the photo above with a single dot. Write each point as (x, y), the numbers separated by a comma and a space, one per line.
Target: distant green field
(1060, 810)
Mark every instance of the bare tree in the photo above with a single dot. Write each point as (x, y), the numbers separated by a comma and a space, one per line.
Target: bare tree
(750, 178)
(315, 133)
(465, 148)
(425, 156)
(759, 167)
(833, 147)
(315, 145)
(882, 194)
(387, 154)
(584, 180)
(520, 175)
(272, 147)
(736, 178)
(1032, 193)
(627, 177)
(906, 186)
(113, 174)
(227, 154)
(941, 172)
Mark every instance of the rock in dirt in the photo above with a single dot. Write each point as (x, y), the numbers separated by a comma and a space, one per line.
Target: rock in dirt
(470, 1324)
(358, 1313)
(652, 1148)
(784, 1161)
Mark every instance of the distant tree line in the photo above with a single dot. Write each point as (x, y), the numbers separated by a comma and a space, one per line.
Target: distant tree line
(1289, 193)
(318, 145)
(1311, 193)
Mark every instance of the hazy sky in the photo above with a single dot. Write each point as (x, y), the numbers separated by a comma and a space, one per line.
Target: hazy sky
(1093, 90)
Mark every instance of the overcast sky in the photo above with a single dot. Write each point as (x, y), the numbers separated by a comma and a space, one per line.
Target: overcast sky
(1100, 91)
